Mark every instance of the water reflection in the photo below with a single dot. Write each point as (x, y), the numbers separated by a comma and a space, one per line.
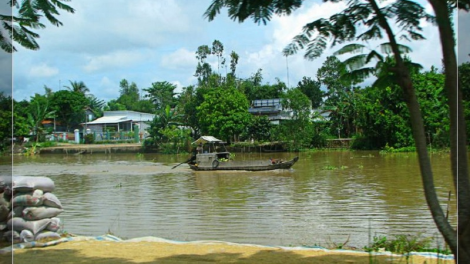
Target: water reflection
(326, 197)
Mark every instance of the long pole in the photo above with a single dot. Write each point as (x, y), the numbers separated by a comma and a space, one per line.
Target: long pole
(287, 67)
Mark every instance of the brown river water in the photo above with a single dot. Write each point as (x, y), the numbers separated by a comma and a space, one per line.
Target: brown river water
(327, 198)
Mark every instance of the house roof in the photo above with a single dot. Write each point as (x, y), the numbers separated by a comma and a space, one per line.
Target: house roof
(207, 139)
(110, 120)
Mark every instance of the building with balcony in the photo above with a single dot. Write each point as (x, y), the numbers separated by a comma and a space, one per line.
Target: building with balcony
(272, 109)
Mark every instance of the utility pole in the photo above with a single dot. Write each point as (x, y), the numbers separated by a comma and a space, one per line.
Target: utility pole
(287, 66)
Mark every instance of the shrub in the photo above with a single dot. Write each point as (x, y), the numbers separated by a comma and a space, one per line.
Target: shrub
(89, 139)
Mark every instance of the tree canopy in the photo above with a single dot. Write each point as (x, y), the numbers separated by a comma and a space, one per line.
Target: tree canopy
(20, 28)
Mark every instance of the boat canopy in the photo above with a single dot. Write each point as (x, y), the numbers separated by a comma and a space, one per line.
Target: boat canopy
(207, 139)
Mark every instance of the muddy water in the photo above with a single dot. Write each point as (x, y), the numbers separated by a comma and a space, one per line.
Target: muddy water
(327, 197)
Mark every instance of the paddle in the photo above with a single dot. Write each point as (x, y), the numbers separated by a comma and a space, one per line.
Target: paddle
(181, 163)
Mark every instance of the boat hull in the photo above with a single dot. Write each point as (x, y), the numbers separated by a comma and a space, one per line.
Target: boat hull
(246, 166)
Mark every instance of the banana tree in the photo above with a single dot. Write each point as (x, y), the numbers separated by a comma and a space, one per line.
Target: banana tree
(38, 113)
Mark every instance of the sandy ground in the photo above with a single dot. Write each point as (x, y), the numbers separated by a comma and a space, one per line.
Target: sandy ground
(108, 252)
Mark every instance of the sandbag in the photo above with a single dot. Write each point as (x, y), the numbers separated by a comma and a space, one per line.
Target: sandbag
(4, 212)
(5, 181)
(46, 235)
(54, 225)
(37, 213)
(26, 236)
(28, 183)
(3, 201)
(49, 199)
(12, 236)
(17, 211)
(19, 224)
(38, 193)
(7, 194)
(26, 200)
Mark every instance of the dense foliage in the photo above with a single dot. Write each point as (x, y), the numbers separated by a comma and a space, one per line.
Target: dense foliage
(375, 116)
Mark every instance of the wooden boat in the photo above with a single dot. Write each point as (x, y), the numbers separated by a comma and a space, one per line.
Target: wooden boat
(205, 160)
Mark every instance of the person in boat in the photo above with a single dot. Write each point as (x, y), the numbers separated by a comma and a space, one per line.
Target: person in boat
(199, 148)
(276, 161)
(192, 160)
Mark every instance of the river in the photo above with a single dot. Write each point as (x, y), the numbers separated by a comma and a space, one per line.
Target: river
(327, 198)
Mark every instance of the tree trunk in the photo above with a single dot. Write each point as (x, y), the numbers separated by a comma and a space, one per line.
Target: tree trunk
(417, 126)
(458, 154)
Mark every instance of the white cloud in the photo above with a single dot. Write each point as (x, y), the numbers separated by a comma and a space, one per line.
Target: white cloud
(179, 86)
(43, 70)
(180, 58)
(270, 57)
(122, 58)
(108, 89)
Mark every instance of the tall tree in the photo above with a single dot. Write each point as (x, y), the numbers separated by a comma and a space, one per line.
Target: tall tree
(188, 100)
(203, 69)
(233, 62)
(19, 27)
(161, 94)
(129, 95)
(224, 113)
(300, 104)
(368, 15)
(78, 87)
(311, 89)
(218, 50)
(69, 107)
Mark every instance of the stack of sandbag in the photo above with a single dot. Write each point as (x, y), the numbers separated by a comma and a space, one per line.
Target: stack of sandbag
(32, 209)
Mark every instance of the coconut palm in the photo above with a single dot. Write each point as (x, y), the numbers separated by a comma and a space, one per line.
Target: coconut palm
(78, 87)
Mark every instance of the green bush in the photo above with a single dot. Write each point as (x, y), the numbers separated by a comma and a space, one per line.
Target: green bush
(318, 141)
(402, 244)
(363, 143)
(89, 139)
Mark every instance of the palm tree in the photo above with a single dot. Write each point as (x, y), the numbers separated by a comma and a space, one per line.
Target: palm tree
(39, 112)
(19, 27)
(357, 65)
(96, 105)
(164, 119)
(367, 14)
(78, 87)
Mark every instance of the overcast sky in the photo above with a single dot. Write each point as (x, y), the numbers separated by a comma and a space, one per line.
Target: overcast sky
(146, 41)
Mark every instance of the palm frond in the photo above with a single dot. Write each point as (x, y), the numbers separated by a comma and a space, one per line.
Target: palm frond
(374, 32)
(359, 75)
(373, 55)
(316, 47)
(384, 80)
(415, 35)
(350, 48)
(355, 62)
(387, 48)
(213, 9)
(290, 49)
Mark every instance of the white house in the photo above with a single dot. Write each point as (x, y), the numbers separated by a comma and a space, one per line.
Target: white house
(119, 121)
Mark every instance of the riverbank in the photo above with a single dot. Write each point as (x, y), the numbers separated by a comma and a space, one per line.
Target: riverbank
(109, 249)
(92, 148)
